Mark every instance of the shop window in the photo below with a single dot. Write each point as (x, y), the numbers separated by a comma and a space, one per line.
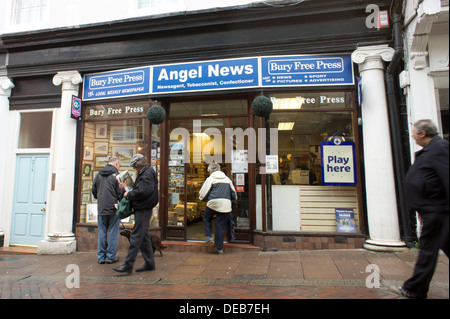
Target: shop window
(299, 138)
(35, 130)
(29, 11)
(108, 134)
(303, 121)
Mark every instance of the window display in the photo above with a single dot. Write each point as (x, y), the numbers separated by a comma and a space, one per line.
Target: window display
(107, 134)
(304, 121)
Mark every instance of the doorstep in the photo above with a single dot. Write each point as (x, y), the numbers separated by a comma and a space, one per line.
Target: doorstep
(18, 250)
(195, 246)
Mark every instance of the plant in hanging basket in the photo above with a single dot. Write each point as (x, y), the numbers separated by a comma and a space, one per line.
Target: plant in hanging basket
(156, 114)
(262, 106)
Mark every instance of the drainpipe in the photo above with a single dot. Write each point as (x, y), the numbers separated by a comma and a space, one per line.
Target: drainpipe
(395, 123)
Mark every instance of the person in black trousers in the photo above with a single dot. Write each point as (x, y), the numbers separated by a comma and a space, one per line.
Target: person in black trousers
(143, 197)
(427, 191)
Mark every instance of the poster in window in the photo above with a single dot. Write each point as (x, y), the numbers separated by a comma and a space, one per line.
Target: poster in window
(91, 213)
(345, 220)
(338, 163)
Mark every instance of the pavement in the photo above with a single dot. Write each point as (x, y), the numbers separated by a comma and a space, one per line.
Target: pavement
(236, 275)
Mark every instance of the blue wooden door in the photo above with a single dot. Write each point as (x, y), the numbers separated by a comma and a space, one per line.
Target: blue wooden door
(30, 195)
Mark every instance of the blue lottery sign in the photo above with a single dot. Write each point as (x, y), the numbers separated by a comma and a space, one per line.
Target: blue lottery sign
(115, 84)
(307, 70)
(205, 76)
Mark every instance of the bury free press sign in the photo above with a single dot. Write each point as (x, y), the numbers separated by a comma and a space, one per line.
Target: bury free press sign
(307, 70)
(116, 84)
(229, 74)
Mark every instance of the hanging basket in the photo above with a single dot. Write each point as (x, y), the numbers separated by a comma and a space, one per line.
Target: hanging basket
(262, 106)
(156, 114)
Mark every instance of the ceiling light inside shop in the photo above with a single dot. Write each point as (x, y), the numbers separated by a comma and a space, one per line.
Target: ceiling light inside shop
(202, 135)
(294, 103)
(286, 126)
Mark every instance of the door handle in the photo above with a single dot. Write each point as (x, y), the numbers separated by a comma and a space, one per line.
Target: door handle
(43, 209)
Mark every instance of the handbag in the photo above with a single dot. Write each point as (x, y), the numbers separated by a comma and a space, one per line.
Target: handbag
(124, 210)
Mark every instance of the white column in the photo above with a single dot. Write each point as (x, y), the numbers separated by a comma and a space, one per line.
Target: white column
(60, 239)
(379, 173)
(419, 83)
(5, 92)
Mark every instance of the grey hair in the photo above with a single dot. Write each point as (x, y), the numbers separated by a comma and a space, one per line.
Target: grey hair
(213, 167)
(114, 159)
(427, 126)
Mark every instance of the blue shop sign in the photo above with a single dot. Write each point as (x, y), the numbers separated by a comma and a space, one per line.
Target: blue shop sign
(206, 76)
(230, 74)
(307, 70)
(115, 84)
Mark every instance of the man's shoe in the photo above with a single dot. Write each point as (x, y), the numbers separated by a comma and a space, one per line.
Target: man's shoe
(405, 293)
(123, 269)
(208, 241)
(108, 261)
(220, 251)
(101, 261)
(145, 268)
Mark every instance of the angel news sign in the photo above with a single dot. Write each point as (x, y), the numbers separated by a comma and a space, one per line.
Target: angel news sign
(338, 162)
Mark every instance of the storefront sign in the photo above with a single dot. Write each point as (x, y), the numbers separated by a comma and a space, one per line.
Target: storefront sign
(307, 70)
(338, 163)
(76, 107)
(116, 110)
(230, 74)
(205, 76)
(121, 83)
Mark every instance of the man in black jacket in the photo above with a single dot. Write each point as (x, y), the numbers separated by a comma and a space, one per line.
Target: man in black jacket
(427, 191)
(107, 191)
(143, 197)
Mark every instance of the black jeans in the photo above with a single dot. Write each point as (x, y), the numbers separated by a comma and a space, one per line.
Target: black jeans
(140, 240)
(221, 226)
(434, 236)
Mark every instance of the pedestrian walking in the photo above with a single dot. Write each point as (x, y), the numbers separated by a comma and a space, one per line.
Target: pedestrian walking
(427, 191)
(143, 197)
(108, 193)
(218, 191)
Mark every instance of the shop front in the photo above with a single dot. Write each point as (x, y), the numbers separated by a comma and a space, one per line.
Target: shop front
(314, 173)
(297, 172)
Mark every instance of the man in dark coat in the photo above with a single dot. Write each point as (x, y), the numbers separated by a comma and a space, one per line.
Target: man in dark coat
(427, 191)
(143, 197)
(108, 193)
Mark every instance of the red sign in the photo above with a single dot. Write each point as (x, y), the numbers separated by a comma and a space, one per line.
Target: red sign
(240, 189)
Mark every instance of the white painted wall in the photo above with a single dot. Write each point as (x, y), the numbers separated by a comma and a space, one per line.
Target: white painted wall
(71, 13)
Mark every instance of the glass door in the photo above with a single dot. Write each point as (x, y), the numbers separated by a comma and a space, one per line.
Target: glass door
(207, 143)
(194, 141)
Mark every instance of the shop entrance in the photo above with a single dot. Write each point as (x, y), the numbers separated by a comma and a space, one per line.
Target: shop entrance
(195, 141)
